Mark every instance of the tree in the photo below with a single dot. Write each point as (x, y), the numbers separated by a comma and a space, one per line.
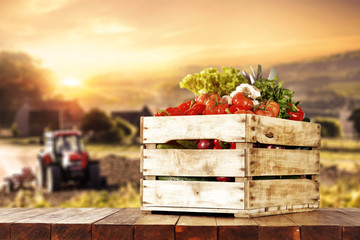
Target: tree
(355, 118)
(330, 127)
(106, 129)
(21, 78)
(96, 120)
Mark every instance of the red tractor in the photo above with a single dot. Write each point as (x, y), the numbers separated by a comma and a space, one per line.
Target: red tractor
(63, 159)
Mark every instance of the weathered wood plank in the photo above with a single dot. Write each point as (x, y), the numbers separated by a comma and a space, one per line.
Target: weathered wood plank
(155, 226)
(282, 131)
(230, 228)
(350, 222)
(116, 226)
(164, 129)
(6, 211)
(200, 194)
(196, 227)
(38, 227)
(186, 162)
(268, 193)
(317, 225)
(79, 226)
(272, 162)
(7, 220)
(277, 227)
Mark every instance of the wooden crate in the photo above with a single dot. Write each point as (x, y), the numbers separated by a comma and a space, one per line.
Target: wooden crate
(250, 194)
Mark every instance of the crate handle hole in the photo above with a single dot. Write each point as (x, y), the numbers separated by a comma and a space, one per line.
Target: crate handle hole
(269, 135)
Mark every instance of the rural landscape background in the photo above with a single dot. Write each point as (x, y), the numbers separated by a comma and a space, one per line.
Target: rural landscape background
(127, 59)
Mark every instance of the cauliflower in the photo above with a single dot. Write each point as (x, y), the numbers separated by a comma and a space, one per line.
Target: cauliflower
(249, 90)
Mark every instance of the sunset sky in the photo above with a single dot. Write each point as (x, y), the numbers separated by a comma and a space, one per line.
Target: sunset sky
(82, 38)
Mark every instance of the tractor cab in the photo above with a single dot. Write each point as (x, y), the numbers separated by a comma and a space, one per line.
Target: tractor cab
(64, 159)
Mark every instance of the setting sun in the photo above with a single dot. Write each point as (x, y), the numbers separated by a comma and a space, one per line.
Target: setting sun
(71, 82)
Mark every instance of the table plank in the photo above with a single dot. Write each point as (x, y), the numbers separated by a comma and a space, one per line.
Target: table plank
(128, 224)
(116, 226)
(79, 226)
(196, 227)
(7, 220)
(350, 223)
(277, 227)
(39, 227)
(230, 228)
(155, 226)
(317, 225)
(6, 211)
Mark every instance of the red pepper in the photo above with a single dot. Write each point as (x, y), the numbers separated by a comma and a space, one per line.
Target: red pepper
(235, 108)
(196, 109)
(216, 144)
(297, 115)
(185, 106)
(161, 113)
(233, 145)
(223, 179)
(174, 111)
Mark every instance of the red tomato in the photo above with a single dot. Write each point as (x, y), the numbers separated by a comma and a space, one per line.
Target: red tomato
(203, 98)
(204, 144)
(269, 108)
(273, 107)
(241, 100)
(216, 105)
(215, 108)
(264, 113)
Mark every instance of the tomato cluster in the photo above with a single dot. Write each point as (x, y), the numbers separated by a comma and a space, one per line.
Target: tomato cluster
(212, 103)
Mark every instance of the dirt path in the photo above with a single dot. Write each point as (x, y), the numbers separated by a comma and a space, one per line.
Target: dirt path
(14, 157)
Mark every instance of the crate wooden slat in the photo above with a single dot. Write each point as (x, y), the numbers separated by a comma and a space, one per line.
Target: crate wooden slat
(245, 197)
(230, 128)
(190, 162)
(193, 127)
(229, 162)
(200, 194)
(266, 193)
(270, 130)
(277, 162)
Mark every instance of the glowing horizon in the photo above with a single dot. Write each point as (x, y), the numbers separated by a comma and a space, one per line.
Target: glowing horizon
(88, 38)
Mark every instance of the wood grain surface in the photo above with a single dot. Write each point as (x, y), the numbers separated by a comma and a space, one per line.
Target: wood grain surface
(106, 223)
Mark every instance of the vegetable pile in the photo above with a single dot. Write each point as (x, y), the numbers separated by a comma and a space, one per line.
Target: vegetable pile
(236, 92)
(232, 92)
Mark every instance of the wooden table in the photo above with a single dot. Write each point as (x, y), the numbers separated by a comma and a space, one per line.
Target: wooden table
(129, 223)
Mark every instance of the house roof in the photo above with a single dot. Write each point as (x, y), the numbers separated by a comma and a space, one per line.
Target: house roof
(71, 107)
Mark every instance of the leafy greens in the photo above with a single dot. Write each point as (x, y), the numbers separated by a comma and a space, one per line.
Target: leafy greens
(210, 80)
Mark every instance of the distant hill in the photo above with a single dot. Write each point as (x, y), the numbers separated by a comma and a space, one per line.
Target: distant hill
(327, 86)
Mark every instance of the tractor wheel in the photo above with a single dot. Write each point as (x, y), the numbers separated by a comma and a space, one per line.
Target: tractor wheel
(53, 174)
(94, 175)
(9, 187)
(40, 175)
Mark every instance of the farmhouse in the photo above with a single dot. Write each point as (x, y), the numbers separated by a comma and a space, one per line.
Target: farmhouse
(133, 116)
(34, 116)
